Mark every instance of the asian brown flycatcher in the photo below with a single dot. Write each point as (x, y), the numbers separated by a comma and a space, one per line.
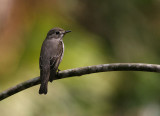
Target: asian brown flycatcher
(51, 55)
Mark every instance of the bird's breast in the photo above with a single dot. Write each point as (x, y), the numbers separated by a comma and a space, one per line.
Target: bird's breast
(62, 50)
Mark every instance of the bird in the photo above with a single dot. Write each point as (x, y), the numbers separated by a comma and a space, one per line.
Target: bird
(51, 55)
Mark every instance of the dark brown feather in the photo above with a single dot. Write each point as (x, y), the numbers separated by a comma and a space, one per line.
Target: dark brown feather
(50, 57)
(51, 53)
(55, 61)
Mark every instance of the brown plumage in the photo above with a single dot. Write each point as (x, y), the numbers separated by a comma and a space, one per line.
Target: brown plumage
(50, 57)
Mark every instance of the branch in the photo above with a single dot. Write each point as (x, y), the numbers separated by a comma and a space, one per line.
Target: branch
(83, 71)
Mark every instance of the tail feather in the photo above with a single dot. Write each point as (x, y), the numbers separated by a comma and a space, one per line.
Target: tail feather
(44, 76)
(43, 88)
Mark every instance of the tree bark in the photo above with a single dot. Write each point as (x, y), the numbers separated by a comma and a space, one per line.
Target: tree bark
(83, 71)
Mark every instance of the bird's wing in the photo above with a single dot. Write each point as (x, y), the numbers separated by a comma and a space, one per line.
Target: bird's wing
(55, 61)
(44, 62)
(50, 58)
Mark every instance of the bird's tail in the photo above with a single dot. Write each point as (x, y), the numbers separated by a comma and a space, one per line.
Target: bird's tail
(43, 88)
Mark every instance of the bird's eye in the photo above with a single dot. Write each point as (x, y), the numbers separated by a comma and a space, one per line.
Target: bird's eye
(57, 32)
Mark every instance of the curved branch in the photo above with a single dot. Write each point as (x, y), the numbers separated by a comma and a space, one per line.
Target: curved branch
(83, 71)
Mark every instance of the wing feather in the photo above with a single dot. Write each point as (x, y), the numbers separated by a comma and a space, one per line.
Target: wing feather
(55, 61)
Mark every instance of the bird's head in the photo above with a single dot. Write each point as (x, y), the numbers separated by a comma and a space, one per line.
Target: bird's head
(57, 33)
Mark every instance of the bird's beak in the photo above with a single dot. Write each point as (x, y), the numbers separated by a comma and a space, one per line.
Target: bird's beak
(67, 31)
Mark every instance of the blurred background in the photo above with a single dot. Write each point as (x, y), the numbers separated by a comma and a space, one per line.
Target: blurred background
(103, 31)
